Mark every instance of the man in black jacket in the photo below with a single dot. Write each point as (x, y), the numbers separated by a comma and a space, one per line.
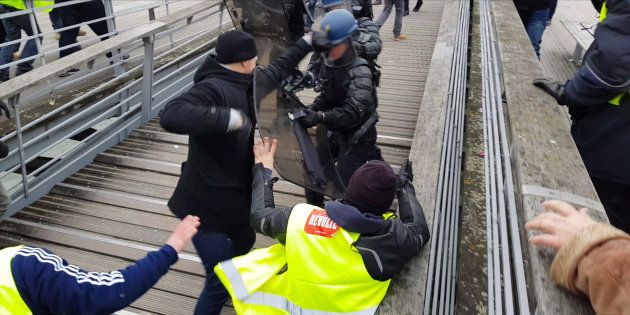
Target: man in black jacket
(598, 98)
(387, 241)
(534, 15)
(215, 182)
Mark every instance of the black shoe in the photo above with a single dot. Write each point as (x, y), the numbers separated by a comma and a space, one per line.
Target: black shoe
(68, 72)
(405, 13)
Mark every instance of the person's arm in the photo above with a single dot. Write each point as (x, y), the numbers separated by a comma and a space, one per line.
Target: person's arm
(593, 258)
(605, 72)
(47, 282)
(416, 231)
(359, 100)
(282, 67)
(5, 199)
(198, 111)
(265, 218)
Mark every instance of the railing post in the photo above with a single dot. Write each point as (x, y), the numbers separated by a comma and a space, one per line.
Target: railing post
(147, 79)
(13, 102)
(168, 12)
(111, 28)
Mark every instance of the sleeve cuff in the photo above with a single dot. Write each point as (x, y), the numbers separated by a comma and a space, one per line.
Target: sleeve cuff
(170, 254)
(564, 266)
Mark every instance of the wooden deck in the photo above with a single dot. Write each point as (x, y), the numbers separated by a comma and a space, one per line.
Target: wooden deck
(114, 210)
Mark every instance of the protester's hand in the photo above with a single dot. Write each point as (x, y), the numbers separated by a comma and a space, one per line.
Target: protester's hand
(405, 175)
(183, 233)
(558, 226)
(264, 152)
(321, 43)
(308, 38)
(553, 88)
(312, 118)
(4, 108)
(238, 120)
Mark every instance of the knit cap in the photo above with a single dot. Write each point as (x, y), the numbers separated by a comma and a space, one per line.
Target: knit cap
(235, 46)
(372, 188)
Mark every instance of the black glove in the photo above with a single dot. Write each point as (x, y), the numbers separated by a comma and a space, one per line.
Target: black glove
(4, 108)
(312, 118)
(321, 43)
(405, 175)
(553, 88)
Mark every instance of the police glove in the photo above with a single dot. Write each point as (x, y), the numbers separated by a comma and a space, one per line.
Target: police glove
(238, 121)
(321, 43)
(405, 175)
(553, 88)
(312, 118)
(4, 108)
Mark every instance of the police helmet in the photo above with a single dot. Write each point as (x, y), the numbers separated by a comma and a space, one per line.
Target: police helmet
(338, 25)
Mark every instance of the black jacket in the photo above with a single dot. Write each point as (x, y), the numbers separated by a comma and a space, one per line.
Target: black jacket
(215, 182)
(602, 131)
(385, 245)
(532, 5)
(348, 97)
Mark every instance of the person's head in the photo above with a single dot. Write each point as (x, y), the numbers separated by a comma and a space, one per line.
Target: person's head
(237, 51)
(339, 25)
(372, 188)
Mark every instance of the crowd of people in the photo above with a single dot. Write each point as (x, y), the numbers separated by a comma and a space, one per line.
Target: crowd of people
(337, 256)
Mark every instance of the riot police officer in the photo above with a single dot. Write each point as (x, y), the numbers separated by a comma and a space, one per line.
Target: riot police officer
(347, 103)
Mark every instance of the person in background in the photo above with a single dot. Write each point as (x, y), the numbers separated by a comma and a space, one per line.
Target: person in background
(398, 19)
(5, 200)
(13, 27)
(593, 259)
(534, 15)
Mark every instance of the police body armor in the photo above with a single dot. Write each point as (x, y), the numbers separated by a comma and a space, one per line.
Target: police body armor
(318, 271)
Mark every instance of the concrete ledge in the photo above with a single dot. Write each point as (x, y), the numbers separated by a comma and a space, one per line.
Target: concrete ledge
(407, 290)
(543, 154)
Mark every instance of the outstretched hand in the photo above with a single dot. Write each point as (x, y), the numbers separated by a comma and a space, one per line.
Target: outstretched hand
(558, 226)
(264, 152)
(183, 233)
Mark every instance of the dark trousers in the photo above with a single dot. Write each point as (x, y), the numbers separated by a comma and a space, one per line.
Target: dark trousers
(79, 13)
(616, 200)
(56, 19)
(13, 28)
(213, 248)
(535, 22)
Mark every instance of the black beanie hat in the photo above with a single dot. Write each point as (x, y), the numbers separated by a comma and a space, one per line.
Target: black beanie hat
(372, 188)
(235, 46)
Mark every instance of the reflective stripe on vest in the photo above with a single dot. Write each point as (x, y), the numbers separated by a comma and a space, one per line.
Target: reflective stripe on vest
(10, 300)
(319, 271)
(20, 5)
(603, 13)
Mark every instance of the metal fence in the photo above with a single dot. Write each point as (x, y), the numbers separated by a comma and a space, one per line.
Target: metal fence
(46, 150)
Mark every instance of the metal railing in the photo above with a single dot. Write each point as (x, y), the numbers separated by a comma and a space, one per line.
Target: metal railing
(46, 150)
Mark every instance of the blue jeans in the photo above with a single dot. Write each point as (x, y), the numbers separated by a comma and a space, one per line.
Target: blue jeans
(387, 10)
(535, 22)
(213, 248)
(13, 27)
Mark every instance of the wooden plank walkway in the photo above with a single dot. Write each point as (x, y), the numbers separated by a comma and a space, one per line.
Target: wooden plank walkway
(104, 216)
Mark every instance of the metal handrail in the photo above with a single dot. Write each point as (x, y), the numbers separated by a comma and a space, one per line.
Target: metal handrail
(130, 105)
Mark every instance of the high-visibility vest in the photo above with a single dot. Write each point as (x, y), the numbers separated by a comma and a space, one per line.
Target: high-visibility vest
(10, 300)
(318, 271)
(21, 5)
(603, 13)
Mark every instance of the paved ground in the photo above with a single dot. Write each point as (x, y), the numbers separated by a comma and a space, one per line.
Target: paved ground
(99, 217)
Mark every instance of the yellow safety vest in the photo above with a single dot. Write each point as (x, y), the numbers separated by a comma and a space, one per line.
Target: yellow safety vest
(10, 300)
(20, 5)
(603, 13)
(318, 271)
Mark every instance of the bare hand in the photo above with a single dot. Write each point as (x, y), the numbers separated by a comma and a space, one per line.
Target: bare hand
(559, 225)
(264, 152)
(183, 233)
